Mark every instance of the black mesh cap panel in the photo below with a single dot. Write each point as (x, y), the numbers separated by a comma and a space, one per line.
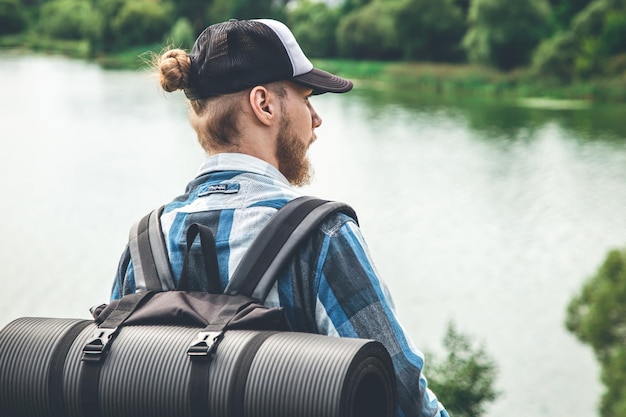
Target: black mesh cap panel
(236, 55)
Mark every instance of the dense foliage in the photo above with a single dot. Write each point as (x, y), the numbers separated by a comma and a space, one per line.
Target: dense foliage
(564, 40)
(505, 34)
(594, 44)
(597, 316)
(12, 19)
(464, 379)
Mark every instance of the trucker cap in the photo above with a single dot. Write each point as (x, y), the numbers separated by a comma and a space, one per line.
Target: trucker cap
(239, 54)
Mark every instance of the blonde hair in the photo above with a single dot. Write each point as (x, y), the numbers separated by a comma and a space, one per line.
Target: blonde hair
(214, 119)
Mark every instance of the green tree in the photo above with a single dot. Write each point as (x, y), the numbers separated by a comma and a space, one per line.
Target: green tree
(594, 44)
(613, 34)
(222, 10)
(504, 33)
(107, 38)
(141, 22)
(563, 11)
(195, 11)
(597, 316)
(430, 30)
(370, 32)
(182, 34)
(348, 6)
(464, 381)
(314, 24)
(12, 18)
(69, 19)
(556, 57)
(464, 5)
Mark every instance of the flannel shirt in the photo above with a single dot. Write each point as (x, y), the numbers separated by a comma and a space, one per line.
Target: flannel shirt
(331, 287)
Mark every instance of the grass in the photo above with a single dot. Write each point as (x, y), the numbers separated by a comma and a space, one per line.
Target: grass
(441, 79)
(466, 79)
(139, 57)
(38, 43)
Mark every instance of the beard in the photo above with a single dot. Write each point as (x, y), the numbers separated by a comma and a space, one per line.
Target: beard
(291, 152)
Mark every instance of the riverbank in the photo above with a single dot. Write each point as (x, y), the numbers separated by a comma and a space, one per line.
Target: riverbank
(466, 79)
(442, 79)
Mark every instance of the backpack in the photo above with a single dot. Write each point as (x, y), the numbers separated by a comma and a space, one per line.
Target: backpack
(166, 352)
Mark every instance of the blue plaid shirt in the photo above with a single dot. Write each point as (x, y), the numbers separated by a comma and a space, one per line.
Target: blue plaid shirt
(330, 288)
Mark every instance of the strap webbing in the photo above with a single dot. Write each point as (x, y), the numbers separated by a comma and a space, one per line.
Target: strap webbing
(199, 379)
(95, 351)
(57, 363)
(151, 263)
(89, 387)
(199, 388)
(144, 267)
(209, 257)
(275, 245)
(125, 307)
(159, 251)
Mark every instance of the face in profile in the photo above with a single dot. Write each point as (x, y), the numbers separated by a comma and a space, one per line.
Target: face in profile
(291, 151)
(296, 134)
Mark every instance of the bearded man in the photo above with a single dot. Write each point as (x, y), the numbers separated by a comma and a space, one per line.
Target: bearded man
(249, 87)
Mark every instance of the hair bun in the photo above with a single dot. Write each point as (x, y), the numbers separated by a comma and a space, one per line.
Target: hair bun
(175, 68)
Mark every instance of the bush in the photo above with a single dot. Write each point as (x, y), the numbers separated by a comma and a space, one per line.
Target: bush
(597, 34)
(69, 19)
(590, 56)
(555, 57)
(505, 33)
(195, 11)
(313, 24)
(464, 380)
(591, 19)
(12, 19)
(182, 34)
(430, 30)
(564, 11)
(141, 22)
(614, 32)
(222, 10)
(616, 66)
(108, 10)
(597, 316)
(369, 32)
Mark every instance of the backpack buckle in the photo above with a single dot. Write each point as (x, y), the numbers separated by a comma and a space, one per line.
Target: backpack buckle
(94, 349)
(204, 346)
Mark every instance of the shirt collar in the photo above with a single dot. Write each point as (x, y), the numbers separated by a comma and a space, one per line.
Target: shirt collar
(240, 162)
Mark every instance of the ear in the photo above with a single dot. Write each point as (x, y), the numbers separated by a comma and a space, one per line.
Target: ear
(263, 104)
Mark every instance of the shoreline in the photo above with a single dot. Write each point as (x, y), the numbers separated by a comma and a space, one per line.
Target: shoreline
(447, 80)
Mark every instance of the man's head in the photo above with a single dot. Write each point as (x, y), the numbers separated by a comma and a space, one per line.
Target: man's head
(249, 84)
(239, 54)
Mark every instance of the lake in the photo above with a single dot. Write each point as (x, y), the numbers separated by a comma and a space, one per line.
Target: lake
(489, 214)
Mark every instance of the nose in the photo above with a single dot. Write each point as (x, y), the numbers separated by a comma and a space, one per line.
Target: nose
(315, 118)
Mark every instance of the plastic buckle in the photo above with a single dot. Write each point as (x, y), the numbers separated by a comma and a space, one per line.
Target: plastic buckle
(94, 349)
(203, 348)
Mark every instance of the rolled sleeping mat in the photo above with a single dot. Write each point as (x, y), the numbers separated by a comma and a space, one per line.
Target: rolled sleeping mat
(146, 372)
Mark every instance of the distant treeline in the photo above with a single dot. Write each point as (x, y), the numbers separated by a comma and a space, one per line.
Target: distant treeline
(563, 39)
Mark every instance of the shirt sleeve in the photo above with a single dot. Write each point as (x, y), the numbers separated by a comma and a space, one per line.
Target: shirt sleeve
(353, 301)
(124, 282)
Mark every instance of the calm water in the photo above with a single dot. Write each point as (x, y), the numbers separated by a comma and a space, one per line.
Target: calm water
(489, 215)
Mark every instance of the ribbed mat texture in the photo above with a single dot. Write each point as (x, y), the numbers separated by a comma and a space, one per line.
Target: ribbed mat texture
(146, 373)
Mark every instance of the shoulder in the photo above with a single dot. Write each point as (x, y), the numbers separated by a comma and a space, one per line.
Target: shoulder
(334, 223)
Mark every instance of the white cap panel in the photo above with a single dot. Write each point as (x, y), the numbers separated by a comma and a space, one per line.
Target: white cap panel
(299, 61)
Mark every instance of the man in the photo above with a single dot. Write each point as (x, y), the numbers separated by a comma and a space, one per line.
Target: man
(248, 85)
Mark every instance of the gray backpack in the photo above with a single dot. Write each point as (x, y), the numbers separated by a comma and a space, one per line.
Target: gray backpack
(188, 353)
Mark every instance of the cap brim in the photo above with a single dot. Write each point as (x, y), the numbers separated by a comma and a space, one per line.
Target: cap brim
(323, 82)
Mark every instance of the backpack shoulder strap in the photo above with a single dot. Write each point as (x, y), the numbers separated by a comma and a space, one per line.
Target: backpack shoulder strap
(275, 245)
(148, 252)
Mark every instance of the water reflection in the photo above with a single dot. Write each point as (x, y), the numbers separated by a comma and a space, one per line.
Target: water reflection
(499, 119)
(483, 212)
